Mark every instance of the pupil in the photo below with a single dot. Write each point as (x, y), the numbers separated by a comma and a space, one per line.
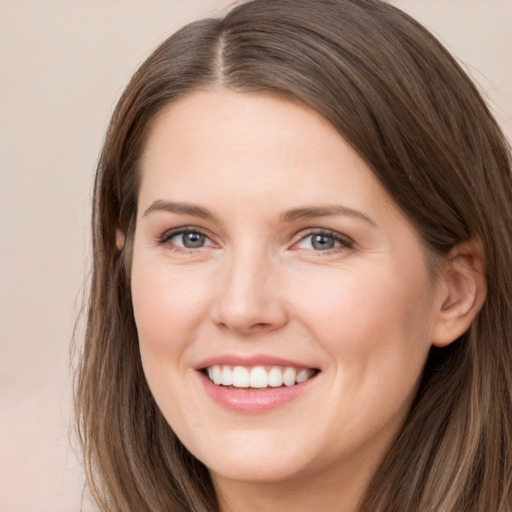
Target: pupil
(322, 242)
(193, 240)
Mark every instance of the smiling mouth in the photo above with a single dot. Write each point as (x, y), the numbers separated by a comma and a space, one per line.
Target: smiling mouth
(257, 377)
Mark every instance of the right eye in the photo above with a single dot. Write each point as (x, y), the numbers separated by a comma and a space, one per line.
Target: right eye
(186, 239)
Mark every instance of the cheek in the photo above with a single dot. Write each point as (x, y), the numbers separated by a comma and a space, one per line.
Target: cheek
(372, 326)
(371, 315)
(168, 307)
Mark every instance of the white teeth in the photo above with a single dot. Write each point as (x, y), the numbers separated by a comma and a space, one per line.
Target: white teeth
(240, 377)
(289, 376)
(227, 376)
(217, 375)
(303, 375)
(275, 377)
(258, 377)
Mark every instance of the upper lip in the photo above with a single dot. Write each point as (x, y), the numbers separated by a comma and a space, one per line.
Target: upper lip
(253, 360)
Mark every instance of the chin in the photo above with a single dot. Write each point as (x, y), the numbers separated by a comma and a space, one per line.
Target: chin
(261, 469)
(260, 460)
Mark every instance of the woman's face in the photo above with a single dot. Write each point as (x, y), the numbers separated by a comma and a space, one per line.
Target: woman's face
(268, 258)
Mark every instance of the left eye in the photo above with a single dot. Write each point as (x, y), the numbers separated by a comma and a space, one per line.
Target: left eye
(189, 240)
(319, 242)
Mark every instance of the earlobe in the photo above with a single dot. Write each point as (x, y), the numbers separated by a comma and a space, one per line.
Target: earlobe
(464, 288)
(120, 239)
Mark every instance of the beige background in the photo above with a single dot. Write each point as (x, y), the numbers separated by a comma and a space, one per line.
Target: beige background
(62, 65)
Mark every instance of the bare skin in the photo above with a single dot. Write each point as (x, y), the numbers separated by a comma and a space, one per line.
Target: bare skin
(262, 235)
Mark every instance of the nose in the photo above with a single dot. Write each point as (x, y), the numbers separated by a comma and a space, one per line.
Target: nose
(249, 299)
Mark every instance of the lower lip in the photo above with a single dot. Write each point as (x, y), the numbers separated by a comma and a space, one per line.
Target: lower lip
(256, 400)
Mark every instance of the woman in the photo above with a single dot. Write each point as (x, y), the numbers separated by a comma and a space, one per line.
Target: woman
(299, 295)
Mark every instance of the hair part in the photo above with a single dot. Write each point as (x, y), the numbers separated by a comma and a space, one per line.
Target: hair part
(405, 105)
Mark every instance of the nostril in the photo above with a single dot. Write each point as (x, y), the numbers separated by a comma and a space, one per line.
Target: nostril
(260, 325)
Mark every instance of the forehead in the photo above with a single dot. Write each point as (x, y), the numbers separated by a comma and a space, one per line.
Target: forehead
(239, 124)
(222, 142)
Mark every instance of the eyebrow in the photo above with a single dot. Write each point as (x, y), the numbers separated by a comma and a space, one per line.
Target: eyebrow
(183, 208)
(314, 212)
(311, 212)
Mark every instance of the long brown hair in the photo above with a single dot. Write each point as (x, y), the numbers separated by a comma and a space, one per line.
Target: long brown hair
(404, 104)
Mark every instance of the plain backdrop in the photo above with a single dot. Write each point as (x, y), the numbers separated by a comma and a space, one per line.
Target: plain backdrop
(63, 64)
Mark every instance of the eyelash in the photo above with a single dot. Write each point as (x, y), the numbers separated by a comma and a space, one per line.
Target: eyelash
(166, 237)
(344, 241)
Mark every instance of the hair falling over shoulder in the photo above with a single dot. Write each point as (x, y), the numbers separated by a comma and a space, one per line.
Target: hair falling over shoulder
(405, 105)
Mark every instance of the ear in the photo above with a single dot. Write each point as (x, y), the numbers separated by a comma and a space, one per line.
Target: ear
(463, 288)
(120, 239)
